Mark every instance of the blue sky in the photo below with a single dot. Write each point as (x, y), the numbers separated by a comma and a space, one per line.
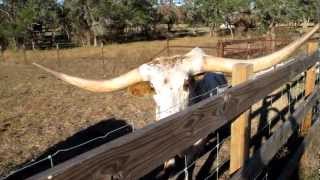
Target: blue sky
(60, 1)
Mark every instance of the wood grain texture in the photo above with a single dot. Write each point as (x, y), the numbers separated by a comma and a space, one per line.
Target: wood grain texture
(312, 47)
(240, 128)
(136, 154)
(269, 149)
(309, 87)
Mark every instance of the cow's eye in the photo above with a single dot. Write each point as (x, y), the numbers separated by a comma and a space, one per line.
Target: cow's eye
(165, 81)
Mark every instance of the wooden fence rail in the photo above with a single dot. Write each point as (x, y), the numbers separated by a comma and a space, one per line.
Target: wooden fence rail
(134, 155)
(269, 149)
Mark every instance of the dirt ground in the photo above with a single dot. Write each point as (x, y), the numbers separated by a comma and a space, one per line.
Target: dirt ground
(37, 110)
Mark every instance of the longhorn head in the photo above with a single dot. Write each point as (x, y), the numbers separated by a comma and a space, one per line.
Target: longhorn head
(169, 75)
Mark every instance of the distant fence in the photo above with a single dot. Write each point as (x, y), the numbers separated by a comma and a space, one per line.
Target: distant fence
(252, 47)
(46, 46)
(137, 154)
(244, 48)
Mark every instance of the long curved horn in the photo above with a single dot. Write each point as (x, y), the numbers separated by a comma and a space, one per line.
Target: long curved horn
(114, 84)
(218, 64)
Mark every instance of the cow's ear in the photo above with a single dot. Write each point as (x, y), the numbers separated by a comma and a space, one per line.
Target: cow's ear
(141, 89)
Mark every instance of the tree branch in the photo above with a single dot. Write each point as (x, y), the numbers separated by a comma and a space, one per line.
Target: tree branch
(6, 13)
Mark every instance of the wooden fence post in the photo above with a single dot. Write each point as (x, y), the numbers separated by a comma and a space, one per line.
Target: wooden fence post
(240, 128)
(312, 47)
(58, 55)
(220, 49)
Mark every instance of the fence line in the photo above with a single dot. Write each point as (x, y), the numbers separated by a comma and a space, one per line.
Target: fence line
(186, 126)
(264, 155)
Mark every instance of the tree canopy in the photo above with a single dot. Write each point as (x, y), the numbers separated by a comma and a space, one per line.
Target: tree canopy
(87, 22)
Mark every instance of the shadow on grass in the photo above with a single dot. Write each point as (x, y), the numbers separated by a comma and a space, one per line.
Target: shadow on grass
(94, 136)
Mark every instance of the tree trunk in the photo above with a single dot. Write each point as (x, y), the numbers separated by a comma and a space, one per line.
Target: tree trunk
(33, 45)
(169, 27)
(231, 31)
(13, 43)
(95, 43)
(88, 38)
(67, 33)
(211, 30)
(82, 42)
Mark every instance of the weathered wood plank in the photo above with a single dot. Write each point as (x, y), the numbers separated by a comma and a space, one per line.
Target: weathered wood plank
(309, 86)
(240, 128)
(134, 155)
(269, 149)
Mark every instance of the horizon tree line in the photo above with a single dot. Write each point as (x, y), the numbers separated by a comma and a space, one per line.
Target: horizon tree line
(88, 22)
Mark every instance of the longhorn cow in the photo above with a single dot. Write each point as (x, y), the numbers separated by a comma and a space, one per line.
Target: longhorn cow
(170, 76)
